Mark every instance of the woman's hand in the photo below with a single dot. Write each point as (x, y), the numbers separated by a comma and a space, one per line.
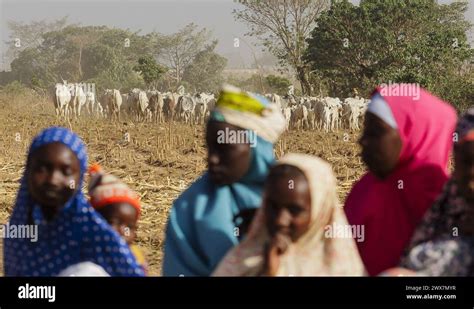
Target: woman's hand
(273, 251)
(272, 261)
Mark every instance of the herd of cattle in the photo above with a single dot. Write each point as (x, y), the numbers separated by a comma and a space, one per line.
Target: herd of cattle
(311, 113)
(322, 113)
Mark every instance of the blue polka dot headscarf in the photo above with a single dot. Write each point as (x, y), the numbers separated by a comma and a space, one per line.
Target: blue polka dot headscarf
(77, 234)
(64, 136)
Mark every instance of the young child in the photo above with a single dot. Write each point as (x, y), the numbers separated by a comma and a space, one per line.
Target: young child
(69, 231)
(119, 206)
(291, 233)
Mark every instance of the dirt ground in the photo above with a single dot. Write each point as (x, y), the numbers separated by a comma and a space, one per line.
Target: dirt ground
(156, 160)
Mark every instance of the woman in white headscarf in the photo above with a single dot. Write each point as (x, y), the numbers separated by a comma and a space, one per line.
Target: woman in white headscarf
(293, 232)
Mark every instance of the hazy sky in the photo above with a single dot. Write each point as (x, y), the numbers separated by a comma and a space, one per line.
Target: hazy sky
(165, 16)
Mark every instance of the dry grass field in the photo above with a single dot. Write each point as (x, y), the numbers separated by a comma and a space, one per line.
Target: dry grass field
(158, 161)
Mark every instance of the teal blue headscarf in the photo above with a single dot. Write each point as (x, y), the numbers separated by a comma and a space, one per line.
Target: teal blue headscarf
(201, 229)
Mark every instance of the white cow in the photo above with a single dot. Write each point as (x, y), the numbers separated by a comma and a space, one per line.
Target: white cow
(200, 109)
(104, 100)
(180, 90)
(210, 106)
(312, 123)
(326, 117)
(205, 102)
(61, 100)
(127, 104)
(113, 100)
(206, 97)
(353, 110)
(170, 101)
(155, 106)
(325, 112)
(288, 101)
(275, 99)
(185, 108)
(90, 102)
(78, 99)
(318, 109)
(299, 117)
(92, 105)
(306, 101)
(287, 115)
(141, 106)
(335, 109)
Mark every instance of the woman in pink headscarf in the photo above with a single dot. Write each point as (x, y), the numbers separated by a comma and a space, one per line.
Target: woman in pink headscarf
(407, 138)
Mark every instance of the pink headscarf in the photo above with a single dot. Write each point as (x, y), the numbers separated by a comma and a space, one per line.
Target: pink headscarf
(390, 209)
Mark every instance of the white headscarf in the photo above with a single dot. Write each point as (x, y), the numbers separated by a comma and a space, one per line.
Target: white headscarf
(379, 107)
(313, 254)
(84, 269)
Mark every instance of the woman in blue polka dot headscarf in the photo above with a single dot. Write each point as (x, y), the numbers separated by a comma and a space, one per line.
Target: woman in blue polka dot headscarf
(68, 231)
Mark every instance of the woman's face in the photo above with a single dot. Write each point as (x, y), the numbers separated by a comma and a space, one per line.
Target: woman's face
(381, 146)
(464, 169)
(287, 204)
(53, 176)
(227, 162)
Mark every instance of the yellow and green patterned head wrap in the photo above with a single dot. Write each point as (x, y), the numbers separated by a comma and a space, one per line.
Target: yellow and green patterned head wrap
(249, 111)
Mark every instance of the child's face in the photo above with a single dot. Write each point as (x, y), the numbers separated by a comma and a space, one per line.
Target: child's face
(287, 205)
(227, 162)
(464, 169)
(123, 218)
(53, 176)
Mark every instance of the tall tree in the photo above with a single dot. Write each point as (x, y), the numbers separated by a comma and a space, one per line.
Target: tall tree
(278, 84)
(383, 40)
(178, 50)
(205, 72)
(149, 70)
(95, 54)
(283, 26)
(29, 35)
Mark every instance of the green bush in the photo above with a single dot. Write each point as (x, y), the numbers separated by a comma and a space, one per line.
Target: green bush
(277, 84)
(15, 88)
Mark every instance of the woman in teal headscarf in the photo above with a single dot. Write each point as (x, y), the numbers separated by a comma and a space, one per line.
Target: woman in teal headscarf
(201, 229)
